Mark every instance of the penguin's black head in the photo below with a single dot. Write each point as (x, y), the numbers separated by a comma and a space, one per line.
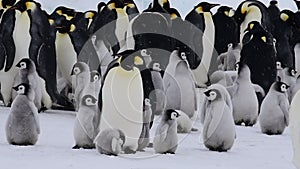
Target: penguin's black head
(24, 63)
(292, 72)
(171, 114)
(173, 13)
(61, 10)
(90, 14)
(113, 4)
(21, 6)
(164, 3)
(130, 59)
(204, 7)
(95, 76)
(298, 4)
(274, 2)
(89, 100)
(227, 11)
(22, 88)
(287, 16)
(145, 53)
(65, 27)
(101, 6)
(281, 87)
(79, 67)
(254, 26)
(8, 3)
(212, 94)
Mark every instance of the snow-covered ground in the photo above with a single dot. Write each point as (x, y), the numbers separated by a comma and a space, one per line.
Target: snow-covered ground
(251, 150)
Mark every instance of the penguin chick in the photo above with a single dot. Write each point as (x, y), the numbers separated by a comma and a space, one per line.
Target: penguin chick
(230, 58)
(287, 75)
(184, 123)
(110, 141)
(96, 80)
(166, 139)
(218, 125)
(225, 78)
(86, 123)
(82, 72)
(22, 126)
(147, 57)
(274, 113)
(244, 99)
(145, 135)
(28, 74)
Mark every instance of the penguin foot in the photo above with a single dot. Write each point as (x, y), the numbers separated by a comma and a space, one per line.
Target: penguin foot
(127, 150)
(76, 147)
(194, 129)
(43, 109)
(150, 145)
(168, 152)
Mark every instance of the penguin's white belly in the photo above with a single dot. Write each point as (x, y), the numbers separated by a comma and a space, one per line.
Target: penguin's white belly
(295, 128)
(297, 59)
(208, 47)
(122, 24)
(123, 104)
(66, 56)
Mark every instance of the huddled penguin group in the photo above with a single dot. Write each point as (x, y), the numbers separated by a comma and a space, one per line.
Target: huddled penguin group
(120, 70)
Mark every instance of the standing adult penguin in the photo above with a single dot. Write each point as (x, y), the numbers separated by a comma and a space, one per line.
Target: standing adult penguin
(260, 55)
(22, 126)
(274, 13)
(274, 113)
(295, 128)
(227, 31)
(122, 107)
(218, 130)
(252, 10)
(283, 34)
(179, 85)
(166, 139)
(203, 63)
(86, 123)
(241, 92)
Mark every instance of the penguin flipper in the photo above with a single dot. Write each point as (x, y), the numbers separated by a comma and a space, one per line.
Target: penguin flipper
(163, 131)
(284, 106)
(259, 89)
(2, 56)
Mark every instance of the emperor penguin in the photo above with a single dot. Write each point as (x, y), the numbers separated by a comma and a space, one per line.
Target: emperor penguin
(274, 112)
(287, 75)
(121, 99)
(28, 74)
(241, 92)
(166, 139)
(145, 134)
(82, 72)
(184, 123)
(110, 141)
(95, 79)
(22, 126)
(16, 39)
(86, 123)
(217, 119)
(295, 128)
(227, 31)
(228, 59)
(203, 63)
(179, 85)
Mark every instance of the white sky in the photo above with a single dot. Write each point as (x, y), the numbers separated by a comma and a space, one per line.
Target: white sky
(184, 6)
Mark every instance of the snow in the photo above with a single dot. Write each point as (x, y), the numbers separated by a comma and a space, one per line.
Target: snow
(251, 149)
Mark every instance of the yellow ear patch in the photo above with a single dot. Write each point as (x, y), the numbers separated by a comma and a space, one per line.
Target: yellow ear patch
(165, 1)
(72, 28)
(111, 6)
(173, 16)
(138, 60)
(244, 8)
(51, 21)
(130, 5)
(89, 15)
(199, 9)
(59, 12)
(251, 26)
(264, 39)
(284, 16)
(226, 13)
(30, 5)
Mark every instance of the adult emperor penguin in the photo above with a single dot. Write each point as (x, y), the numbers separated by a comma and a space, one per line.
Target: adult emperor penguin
(260, 55)
(227, 31)
(82, 72)
(86, 123)
(110, 142)
(274, 113)
(28, 74)
(16, 38)
(145, 134)
(241, 92)
(166, 139)
(22, 126)
(218, 125)
(295, 128)
(179, 85)
(203, 63)
(122, 107)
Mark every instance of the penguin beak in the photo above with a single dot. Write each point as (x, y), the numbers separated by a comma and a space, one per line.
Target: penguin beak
(213, 5)
(18, 65)
(15, 88)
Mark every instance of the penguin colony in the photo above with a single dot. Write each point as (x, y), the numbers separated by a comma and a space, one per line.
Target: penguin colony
(119, 67)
